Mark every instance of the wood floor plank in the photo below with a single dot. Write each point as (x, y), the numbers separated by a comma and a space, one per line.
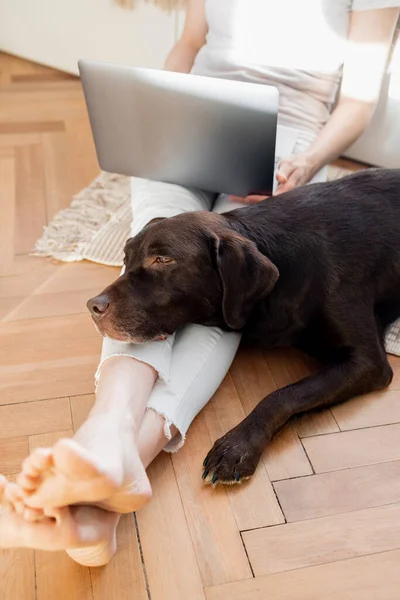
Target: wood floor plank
(65, 376)
(31, 127)
(30, 272)
(354, 448)
(19, 139)
(58, 576)
(80, 408)
(47, 440)
(38, 306)
(41, 77)
(17, 575)
(66, 292)
(395, 364)
(7, 305)
(59, 356)
(7, 214)
(78, 276)
(378, 408)
(167, 547)
(320, 541)
(254, 503)
(315, 423)
(42, 345)
(252, 377)
(123, 578)
(374, 577)
(57, 184)
(31, 418)
(12, 453)
(83, 159)
(285, 456)
(30, 197)
(38, 334)
(339, 491)
(47, 102)
(288, 365)
(211, 520)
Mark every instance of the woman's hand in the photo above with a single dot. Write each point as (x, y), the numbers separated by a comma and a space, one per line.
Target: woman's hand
(294, 171)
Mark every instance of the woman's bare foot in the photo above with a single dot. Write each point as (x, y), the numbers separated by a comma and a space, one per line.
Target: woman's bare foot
(100, 466)
(78, 527)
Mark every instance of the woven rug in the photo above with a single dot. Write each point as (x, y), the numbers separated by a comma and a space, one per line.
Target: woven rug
(97, 224)
(95, 227)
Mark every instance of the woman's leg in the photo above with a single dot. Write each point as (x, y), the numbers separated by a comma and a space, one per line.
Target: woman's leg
(102, 465)
(201, 358)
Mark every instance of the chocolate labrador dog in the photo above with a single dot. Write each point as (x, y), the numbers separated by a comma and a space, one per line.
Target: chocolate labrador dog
(317, 268)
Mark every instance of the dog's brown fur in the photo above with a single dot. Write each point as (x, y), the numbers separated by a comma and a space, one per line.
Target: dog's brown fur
(317, 268)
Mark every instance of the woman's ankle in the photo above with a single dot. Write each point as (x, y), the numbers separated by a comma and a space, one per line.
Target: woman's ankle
(127, 367)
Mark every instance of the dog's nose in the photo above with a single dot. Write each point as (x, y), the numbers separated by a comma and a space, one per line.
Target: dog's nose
(98, 305)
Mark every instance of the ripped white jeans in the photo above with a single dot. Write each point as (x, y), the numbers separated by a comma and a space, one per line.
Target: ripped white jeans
(193, 362)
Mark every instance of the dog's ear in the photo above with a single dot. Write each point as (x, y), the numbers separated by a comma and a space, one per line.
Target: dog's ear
(154, 221)
(247, 276)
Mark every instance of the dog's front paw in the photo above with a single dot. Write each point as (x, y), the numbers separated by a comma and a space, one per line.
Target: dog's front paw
(234, 457)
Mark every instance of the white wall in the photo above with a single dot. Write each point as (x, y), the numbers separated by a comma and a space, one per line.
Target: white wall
(60, 32)
(380, 144)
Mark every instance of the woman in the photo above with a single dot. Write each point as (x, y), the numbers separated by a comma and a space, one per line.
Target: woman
(299, 47)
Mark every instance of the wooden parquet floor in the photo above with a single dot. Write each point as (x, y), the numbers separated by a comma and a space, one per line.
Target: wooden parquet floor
(321, 518)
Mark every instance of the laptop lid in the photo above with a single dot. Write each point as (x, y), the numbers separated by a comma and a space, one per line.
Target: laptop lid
(207, 133)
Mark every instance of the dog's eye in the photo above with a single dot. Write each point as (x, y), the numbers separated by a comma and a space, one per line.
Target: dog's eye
(163, 259)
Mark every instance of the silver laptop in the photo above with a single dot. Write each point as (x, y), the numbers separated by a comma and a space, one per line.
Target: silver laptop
(207, 133)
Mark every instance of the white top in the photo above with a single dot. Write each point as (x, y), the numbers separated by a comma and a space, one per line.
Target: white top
(296, 45)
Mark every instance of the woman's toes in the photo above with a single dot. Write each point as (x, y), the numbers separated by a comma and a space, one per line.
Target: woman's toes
(33, 515)
(5, 506)
(56, 513)
(3, 483)
(40, 460)
(28, 483)
(13, 495)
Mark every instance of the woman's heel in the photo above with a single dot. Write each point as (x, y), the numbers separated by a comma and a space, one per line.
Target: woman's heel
(97, 532)
(94, 556)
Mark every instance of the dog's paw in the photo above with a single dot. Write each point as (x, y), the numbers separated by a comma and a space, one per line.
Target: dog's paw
(234, 457)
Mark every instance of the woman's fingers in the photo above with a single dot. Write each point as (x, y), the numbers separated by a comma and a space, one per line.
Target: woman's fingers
(294, 180)
(281, 177)
(252, 199)
(286, 168)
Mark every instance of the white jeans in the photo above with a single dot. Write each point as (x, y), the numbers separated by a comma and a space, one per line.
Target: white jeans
(193, 362)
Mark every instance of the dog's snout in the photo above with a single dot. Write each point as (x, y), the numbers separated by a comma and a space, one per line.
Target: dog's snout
(98, 305)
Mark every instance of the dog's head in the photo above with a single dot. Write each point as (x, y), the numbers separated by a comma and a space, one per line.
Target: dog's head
(192, 268)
